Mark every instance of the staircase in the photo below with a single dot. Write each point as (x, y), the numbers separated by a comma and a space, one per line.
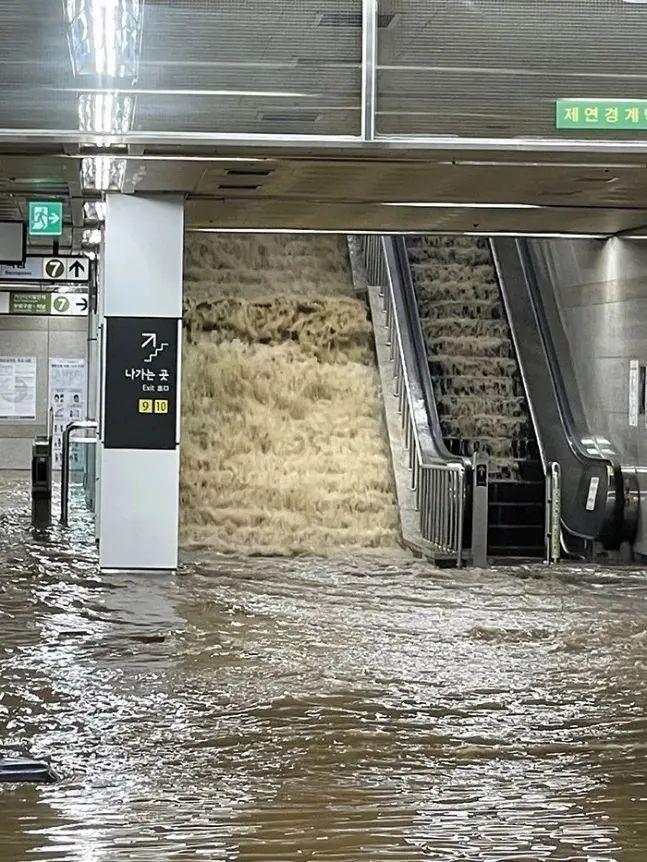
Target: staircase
(477, 383)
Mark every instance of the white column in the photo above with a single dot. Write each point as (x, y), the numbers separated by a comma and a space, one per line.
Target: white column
(140, 399)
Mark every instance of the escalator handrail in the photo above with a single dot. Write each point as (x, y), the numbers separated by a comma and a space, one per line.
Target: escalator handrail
(408, 307)
(440, 482)
(414, 356)
(574, 433)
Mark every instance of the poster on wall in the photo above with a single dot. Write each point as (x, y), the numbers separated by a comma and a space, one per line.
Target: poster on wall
(67, 400)
(18, 387)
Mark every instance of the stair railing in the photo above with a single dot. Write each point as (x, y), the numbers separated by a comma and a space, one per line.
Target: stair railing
(440, 486)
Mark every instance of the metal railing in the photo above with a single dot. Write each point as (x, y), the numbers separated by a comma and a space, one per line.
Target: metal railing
(65, 461)
(439, 485)
(553, 512)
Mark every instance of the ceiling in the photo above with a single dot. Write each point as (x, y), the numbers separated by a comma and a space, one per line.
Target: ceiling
(464, 114)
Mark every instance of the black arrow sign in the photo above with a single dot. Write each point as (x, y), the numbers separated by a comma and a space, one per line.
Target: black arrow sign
(77, 268)
(82, 304)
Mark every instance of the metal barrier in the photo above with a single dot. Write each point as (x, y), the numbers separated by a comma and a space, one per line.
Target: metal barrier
(553, 517)
(41, 482)
(65, 461)
(439, 485)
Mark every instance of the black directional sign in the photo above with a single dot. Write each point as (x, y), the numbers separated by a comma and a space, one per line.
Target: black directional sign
(140, 410)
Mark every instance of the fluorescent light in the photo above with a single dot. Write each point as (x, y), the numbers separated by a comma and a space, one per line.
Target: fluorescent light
(94, 211)
(105, 113)
(91, 236)
(416, 232)
(103, 173)
(105, 37)
(442, 205)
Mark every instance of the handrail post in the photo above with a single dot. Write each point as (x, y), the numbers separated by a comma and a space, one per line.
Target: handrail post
(553, 512)
(479, 510)
(65, 464)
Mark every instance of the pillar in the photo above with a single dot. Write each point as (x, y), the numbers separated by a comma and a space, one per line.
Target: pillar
(140, 337)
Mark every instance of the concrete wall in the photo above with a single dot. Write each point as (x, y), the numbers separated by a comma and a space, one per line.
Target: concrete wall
(601, 291)
(42, 337)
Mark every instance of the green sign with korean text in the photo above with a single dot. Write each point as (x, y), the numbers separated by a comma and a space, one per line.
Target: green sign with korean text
(30, 303)
(45, 218)
(602, 115)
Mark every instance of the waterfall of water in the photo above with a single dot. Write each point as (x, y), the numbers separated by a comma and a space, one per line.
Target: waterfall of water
(476, 378)
(283, 448)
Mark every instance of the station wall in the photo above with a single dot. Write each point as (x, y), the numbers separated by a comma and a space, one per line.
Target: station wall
(42, 337)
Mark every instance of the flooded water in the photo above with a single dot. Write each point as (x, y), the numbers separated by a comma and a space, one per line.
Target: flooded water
(364, 708)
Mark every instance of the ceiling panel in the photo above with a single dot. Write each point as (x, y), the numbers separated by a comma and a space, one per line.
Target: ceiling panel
(493, 68)
(257, 214)
(231, 66)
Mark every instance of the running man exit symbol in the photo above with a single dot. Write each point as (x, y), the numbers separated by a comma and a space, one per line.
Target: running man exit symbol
(150, 341)
(45, 218)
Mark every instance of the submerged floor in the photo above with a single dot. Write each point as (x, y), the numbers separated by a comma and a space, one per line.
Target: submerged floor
(350, 709)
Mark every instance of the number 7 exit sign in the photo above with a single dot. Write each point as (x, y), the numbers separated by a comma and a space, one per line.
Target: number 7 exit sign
(45, 218)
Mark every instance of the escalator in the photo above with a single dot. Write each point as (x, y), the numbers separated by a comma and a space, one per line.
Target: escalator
(477, 384)
(599, 499)
(491, 359)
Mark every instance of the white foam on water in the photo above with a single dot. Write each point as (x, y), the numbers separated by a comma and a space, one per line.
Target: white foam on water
(284, 447)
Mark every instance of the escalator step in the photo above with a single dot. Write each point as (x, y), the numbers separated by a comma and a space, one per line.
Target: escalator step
(516, 535)
(521, 552)
(528, 514)
(516, 492)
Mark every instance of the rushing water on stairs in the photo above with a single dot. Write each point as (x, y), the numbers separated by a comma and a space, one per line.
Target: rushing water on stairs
(476, 378)
(283, 443)
(339, 709)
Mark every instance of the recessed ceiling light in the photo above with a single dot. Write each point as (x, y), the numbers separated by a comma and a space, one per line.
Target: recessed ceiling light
(106, 113)
(92, 236)
(105, 36)
(94, 210)
(103, 173)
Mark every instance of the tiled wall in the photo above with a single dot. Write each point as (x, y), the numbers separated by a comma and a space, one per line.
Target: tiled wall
(42, 337)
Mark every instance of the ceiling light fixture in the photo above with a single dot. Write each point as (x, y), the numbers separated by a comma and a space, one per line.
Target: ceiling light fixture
(105, 37)
(91, 236)
(94, 211)
(442, 205)
(105, 113)
(103, 173)
(418, 232)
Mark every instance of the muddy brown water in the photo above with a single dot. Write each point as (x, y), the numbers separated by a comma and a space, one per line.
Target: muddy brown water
(364, 708)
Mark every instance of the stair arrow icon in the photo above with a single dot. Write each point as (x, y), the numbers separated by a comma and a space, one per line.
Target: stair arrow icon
(151, 338)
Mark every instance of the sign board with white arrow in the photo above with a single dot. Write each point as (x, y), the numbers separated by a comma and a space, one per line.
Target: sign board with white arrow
(68, 269)
(45, 218)
(55, 303)
(141, 383)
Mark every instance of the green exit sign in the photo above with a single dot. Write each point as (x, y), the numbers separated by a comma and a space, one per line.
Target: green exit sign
(602, 115)
(45, 218)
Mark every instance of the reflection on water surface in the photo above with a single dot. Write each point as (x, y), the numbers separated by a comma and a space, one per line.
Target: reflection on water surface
(326, 709)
